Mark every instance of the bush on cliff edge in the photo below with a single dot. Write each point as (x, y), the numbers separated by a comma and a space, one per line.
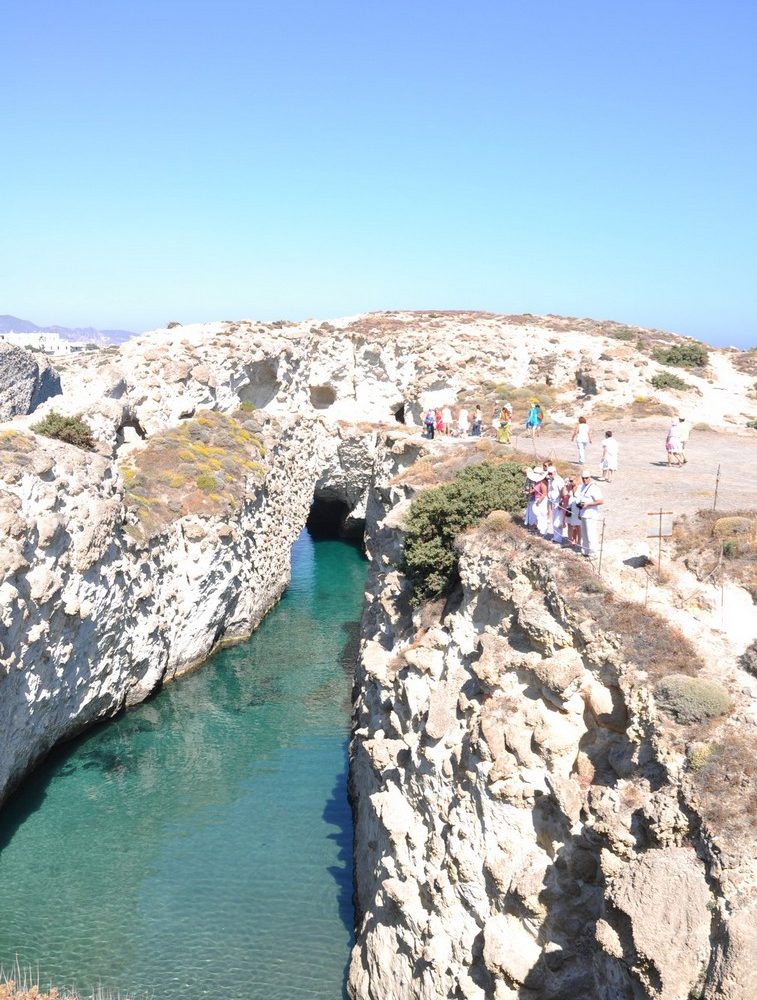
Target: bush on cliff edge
(72, 430)
(438, 515)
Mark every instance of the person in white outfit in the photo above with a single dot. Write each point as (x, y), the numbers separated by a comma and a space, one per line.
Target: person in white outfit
(463, 425)
(609, 457)
(447, 419)
(673, 445)
(537, 508)
(589, 499)
(555, 519)
(683, 436)
(582, 436)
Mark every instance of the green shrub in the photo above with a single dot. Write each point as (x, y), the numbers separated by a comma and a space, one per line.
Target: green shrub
(688, 355)
(623, 334)
(207, 482)
(438, 515)
(699, 755)
(668, 380)
(72, 430)
(691, 699)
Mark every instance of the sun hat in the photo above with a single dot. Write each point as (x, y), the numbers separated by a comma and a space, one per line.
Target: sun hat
(536, 475)
(551, 468)
(585, 473)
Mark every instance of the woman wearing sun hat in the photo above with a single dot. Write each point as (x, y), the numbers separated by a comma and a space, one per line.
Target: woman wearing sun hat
(588, 500)
(555, 513)
(536, 509)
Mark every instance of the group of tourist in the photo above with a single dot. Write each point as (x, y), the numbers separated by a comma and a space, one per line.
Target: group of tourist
(565, 510)
(675, 445)
(444, 423)
(503, 418)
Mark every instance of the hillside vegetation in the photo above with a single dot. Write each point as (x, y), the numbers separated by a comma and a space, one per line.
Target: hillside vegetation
(203, 466)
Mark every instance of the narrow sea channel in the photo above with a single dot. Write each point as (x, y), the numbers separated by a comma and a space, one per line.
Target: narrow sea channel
(200, 845)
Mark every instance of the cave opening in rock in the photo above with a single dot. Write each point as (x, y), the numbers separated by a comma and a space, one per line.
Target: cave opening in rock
(130, 431)
(322, 396)
(330, 518)
(399, 414)
(263, 385)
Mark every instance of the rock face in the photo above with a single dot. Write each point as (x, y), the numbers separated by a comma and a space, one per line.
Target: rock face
(95, 613)
(520, 830)
(26, 380)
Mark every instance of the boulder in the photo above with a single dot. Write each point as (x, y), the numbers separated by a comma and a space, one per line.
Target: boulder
(26, 380)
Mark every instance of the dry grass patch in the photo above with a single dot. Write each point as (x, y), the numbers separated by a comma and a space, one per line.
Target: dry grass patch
(16, 443)
(719, 547)
(442, 467)
(644, 406)
(745, 361)
(724, 776)
(201, 467)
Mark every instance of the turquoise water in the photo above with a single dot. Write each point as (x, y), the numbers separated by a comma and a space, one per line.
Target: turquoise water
(200, 845)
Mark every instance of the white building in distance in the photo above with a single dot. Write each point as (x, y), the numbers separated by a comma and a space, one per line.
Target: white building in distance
(42, 340)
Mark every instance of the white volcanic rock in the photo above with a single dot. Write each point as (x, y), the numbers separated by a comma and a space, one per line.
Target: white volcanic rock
(504, 771)
(387, 366)
(95, 614)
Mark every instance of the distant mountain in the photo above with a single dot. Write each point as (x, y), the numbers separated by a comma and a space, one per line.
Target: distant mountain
(88, 334)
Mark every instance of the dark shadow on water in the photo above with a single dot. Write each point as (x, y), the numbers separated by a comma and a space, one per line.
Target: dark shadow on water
(338, 815)
(348, 656)
(59, 762)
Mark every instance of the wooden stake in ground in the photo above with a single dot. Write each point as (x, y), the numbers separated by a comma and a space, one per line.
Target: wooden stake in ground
(660, 533)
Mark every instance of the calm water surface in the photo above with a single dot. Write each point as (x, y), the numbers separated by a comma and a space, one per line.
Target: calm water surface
(200, 845)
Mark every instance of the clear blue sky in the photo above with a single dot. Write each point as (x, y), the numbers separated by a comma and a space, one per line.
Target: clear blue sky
(192, 160)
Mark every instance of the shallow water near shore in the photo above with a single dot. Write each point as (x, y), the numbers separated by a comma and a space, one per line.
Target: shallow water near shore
(201, 844)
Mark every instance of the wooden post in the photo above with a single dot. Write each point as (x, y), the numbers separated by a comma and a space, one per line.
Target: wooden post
(717, 484)
(659, 515)
(601, 547)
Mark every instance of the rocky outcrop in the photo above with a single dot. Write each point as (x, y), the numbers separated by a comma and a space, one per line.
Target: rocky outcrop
(96, 612)
(26, 380)
(522, 831)
(387, 367)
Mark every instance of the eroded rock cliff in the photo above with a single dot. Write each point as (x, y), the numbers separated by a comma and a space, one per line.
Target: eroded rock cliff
(524, 825)
(26, 380)
(106, 591)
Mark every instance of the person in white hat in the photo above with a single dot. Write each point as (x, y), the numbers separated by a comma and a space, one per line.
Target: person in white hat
(555, 518)
(588, 500)
(537, 509)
